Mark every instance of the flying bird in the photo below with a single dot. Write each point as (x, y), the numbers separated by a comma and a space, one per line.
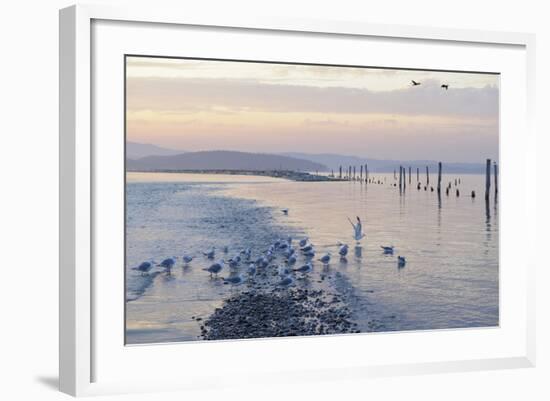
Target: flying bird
(285, 211)
(387, 249)
(414, 83)
(445, 86)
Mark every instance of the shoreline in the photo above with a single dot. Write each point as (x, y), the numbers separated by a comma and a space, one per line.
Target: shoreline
(284, 174)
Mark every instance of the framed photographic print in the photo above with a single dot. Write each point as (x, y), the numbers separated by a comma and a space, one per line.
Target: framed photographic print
(253, 192)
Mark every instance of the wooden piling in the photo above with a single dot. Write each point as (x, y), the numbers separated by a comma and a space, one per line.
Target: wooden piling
(361, 174)
(427, 175)
(496, 179)
(487, 179)
(349, 173)
(417, 174)
(394, 177)
(340, 172)
(366, 172)
(439, 178)
(404, 178)
(353, 173)
(400, 176)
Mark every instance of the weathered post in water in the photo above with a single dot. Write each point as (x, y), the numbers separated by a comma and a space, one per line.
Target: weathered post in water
(340, 172)
(427, 176)
(361, 174)
(400, 177)
(404, 178)
(496, 180)
(487, 179)
(409, 174)
(353, 173)
(439, 178)
(394, 174)
(417, 174)
(366, 172)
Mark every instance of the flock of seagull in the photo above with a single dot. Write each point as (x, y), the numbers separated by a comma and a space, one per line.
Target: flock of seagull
(284, 248)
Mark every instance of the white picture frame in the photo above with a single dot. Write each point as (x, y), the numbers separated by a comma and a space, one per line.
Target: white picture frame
(79, 345)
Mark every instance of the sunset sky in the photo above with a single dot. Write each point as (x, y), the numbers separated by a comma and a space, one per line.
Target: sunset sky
(270, 108)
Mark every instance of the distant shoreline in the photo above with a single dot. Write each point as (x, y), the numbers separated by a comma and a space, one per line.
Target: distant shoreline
(284, 174)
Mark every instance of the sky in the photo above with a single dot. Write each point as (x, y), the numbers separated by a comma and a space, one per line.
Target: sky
(375, 113)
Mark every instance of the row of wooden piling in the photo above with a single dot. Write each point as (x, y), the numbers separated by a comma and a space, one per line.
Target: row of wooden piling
(403, 178)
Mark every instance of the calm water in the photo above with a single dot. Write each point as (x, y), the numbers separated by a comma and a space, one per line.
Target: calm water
(450, 279)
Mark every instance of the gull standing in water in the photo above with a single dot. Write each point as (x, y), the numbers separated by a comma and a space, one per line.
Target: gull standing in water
(187, 259)
(233, 280)
(215, 268)
(144, 267)
(303, 242)
(325, 259)
(343, 251)
(305, 268)
(401, 261)
(291, 260)
(168, 263)
(286, 281)
(357, 229)
(210, 254)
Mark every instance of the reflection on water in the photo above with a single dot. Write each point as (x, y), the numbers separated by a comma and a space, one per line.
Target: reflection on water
(450, 278)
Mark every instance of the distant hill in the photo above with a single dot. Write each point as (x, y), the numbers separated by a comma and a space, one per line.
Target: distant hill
(136, 150)
(334, 161)
(223, 160)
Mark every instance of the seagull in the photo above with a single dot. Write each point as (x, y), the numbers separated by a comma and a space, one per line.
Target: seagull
(251, 269)
(286, 281)
(343, 251)
(210, 254)
(285, 211)
(325, 259)
(283, 271)
(215, 268)
(414, 83)
(144, 267)
(187, 259)
(305, 268)
(387, 249)
(289, 252)
(401, 261)
(310, 253)
(303, 242)
(284, 245)
(307, 248)
(445, 86)
(291, 260)
(234, 280)
(168, 263)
